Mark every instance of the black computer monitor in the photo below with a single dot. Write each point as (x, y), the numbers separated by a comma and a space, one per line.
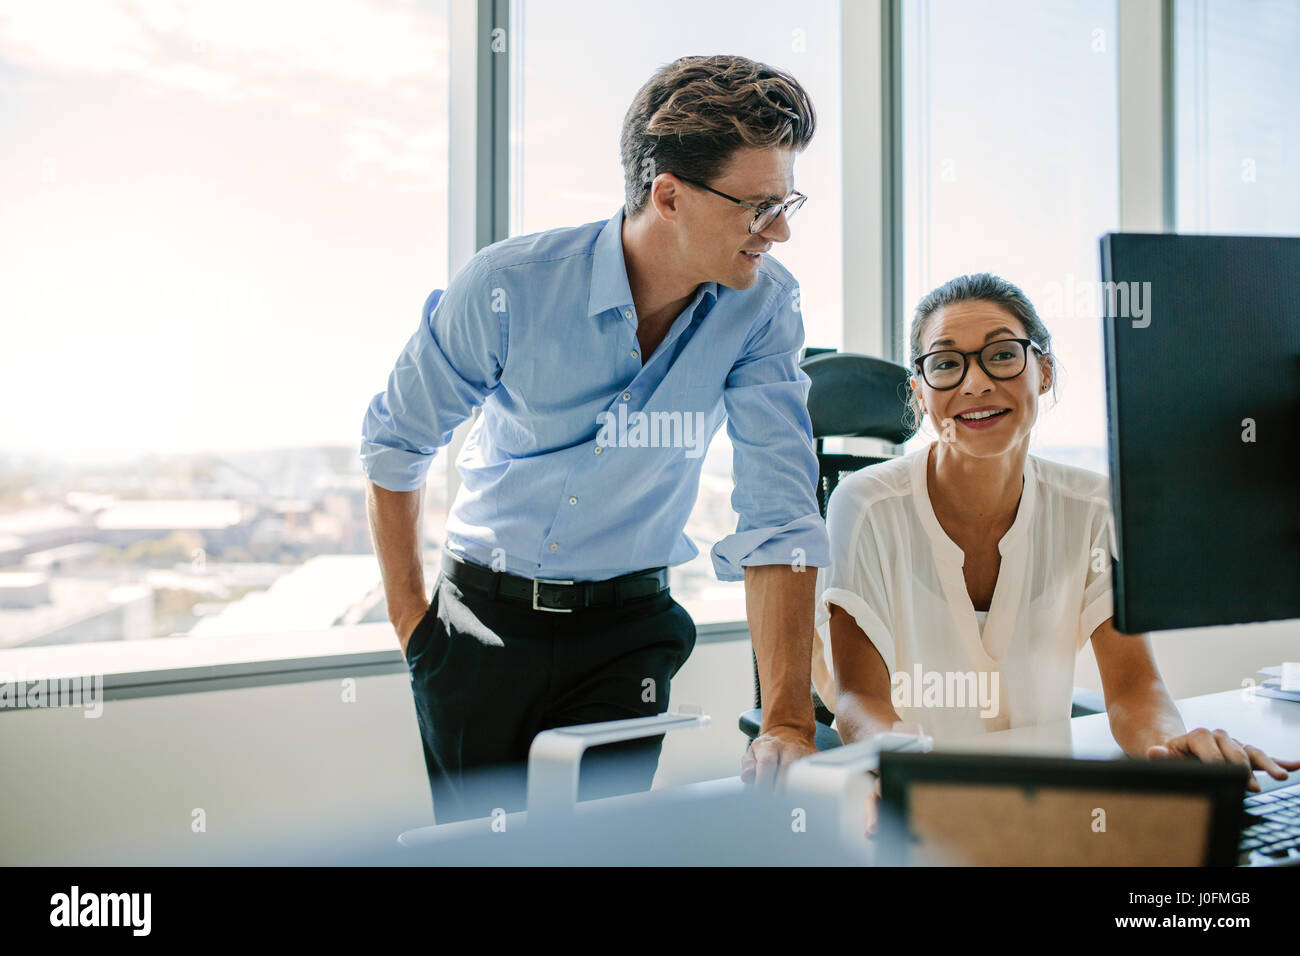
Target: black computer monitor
(1202, 351)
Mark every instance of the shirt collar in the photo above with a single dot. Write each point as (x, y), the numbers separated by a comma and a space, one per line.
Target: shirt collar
(609, 286)
(1018, 533)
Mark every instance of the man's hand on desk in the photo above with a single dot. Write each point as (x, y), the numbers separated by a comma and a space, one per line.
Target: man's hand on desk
(1218, 747)
(871, 812)
(771, 754)
(779, 608)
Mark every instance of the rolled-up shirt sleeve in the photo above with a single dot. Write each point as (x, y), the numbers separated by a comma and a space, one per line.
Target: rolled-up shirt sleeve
(774, 462)
(1098, 603)
(857, 578)
(447, 369)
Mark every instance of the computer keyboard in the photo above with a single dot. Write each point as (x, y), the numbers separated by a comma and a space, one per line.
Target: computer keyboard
(1272, 831)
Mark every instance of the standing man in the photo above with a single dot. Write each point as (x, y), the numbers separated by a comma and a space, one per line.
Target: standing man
(604, 356)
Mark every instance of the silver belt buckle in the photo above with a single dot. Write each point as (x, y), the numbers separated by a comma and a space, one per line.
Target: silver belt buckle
(537, 607)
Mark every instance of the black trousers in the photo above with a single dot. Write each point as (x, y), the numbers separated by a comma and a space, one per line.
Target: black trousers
(489, 675)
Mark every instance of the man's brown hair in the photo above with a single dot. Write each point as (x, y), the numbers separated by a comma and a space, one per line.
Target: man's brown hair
(695, 112)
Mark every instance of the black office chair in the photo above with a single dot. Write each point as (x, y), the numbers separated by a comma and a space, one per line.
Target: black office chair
(852, 396)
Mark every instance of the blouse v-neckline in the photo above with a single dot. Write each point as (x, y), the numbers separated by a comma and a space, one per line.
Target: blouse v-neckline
(949, 560)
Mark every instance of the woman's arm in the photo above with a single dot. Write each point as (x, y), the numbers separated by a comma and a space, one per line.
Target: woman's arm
(1142, 714)
(1144, 720)
(863, 703)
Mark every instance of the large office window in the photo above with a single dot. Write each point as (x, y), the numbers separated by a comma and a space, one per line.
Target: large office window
(579, 65)
(1238, 124)
(1010, 166)
(218, 222)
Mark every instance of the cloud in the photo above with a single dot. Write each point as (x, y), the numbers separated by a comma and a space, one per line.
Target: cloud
(230, 49)
(100, 38)
(371, 68)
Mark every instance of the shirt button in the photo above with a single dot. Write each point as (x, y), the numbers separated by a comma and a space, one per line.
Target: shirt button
(573, 500)
(627, 313)
(626, 396)
(554, 545)
(635, 353)
(599, 449)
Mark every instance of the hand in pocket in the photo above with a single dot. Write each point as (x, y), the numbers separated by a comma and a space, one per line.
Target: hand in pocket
(407, 628)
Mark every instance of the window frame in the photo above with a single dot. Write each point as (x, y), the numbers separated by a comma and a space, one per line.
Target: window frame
(479, 178)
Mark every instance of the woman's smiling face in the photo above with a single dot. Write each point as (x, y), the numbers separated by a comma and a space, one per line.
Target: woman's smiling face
(959, 414)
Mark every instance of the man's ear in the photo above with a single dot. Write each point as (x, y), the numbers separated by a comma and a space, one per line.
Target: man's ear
(664, 194)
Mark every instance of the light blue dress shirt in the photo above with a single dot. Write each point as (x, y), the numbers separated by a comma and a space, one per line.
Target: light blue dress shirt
(541, 331)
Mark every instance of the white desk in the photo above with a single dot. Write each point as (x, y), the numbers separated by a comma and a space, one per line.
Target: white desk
(1268, 723)
(1273, 725)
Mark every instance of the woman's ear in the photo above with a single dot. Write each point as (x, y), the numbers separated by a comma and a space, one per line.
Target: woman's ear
(1047, 372)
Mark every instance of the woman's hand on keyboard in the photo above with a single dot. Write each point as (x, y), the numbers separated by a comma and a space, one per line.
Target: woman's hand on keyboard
(1218, 747)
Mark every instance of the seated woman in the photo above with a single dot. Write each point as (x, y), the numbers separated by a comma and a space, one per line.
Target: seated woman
(967, 575)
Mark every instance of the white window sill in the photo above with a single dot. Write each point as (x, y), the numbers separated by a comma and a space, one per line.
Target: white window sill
(173, 665)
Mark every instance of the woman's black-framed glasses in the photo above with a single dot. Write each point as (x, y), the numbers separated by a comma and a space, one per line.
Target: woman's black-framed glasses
(1002, 359)
(764, 214)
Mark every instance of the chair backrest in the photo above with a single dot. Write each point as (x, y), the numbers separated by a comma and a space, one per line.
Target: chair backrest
(851, 396)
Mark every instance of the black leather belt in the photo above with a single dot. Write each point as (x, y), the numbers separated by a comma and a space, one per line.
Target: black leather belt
(549, 594)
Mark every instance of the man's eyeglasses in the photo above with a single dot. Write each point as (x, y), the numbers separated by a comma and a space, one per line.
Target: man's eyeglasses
(764, 214)
(1003, 359)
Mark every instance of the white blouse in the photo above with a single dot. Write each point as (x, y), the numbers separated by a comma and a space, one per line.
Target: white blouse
(895, 570)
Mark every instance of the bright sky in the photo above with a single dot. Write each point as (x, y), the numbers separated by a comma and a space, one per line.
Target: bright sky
(218, 221)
